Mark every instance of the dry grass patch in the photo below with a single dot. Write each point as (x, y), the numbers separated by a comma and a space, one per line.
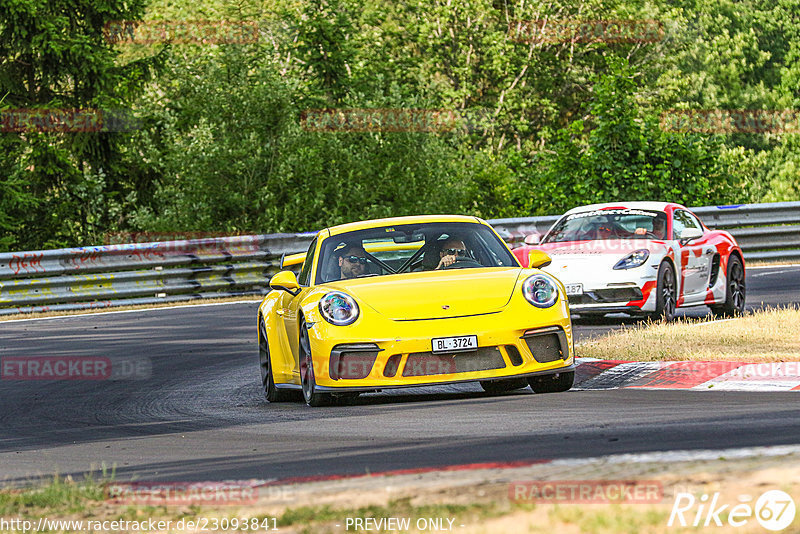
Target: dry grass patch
(769, 336)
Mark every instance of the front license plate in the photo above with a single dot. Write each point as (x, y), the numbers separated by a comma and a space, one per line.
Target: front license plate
(574, 289)
(452, 344)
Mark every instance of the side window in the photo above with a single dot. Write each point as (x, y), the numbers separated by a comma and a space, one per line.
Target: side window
(695, 221)
(305, 272)
(677, 224)
(682, 220)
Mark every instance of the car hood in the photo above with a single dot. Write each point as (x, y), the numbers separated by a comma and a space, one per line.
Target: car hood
(434, 294)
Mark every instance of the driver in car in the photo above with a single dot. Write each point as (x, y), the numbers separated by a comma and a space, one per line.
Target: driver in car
(352, 261)
(659, 229)
(452, 249)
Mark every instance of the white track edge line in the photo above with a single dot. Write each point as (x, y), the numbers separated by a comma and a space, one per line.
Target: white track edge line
(748, 267)
(685, 455)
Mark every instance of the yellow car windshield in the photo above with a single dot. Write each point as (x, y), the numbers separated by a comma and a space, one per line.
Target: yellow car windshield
(418, 247)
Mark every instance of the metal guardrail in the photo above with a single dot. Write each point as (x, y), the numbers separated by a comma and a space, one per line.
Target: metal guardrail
(141, 273)
(172, 271)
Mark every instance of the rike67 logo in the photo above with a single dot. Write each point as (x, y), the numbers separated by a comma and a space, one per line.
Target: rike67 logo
(774, 510)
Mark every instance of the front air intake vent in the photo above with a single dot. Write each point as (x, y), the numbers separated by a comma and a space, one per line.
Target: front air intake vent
(352, 361)
(547, 344)
(514, 355)
(428, 363)
(714, 270)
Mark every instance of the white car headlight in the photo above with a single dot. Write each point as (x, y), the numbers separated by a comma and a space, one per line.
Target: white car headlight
(634, 259)
(338, 308)
(540, 290)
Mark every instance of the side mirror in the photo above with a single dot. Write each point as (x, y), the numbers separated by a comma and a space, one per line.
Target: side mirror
(533, 239)
(285, 281)
(687, 234)
(538, 259)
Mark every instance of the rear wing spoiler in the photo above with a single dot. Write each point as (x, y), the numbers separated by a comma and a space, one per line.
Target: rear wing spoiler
(292, 259)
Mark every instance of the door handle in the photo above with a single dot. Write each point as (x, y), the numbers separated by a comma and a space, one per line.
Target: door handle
(280, 312)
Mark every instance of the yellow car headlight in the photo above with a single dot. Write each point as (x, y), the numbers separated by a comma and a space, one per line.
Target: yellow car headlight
(540, 290)
(338, 308)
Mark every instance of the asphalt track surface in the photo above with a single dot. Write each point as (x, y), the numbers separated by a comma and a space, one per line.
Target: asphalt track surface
(200, 415)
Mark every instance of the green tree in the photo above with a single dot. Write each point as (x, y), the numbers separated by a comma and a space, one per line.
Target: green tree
(620, 152)
(55, 55)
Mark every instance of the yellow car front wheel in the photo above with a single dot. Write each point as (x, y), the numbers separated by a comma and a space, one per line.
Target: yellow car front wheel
(271, 392)
(307, 380)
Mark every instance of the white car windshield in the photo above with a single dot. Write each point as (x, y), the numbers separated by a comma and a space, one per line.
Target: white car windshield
(614, 223)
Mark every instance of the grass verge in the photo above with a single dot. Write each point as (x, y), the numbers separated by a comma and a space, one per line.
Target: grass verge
(58, 496)
(469, 502)
(766, 336)
(63, 499)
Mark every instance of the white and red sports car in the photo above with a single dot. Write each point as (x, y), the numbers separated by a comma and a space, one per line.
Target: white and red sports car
(642, 258)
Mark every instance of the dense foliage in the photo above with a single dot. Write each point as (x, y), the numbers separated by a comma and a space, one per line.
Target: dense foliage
(220, 144)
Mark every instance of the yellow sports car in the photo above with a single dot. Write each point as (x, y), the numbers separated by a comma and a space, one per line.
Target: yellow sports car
(412, 301)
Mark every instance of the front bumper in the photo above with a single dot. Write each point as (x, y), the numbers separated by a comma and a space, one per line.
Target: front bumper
(626, 298)
(346, 389)
(630, 298)
(608, 290)
(518, 341)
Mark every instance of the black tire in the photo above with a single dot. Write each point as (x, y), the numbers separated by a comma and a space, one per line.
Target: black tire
(310, 393)
(555, 383)
(501, 386)
(271, 392)
(666, 294)
(734, 290)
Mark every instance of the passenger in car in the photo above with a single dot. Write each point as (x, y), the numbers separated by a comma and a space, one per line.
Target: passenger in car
(352, 261)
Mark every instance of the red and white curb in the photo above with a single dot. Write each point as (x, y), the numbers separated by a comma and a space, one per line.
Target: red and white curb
(592, 373)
